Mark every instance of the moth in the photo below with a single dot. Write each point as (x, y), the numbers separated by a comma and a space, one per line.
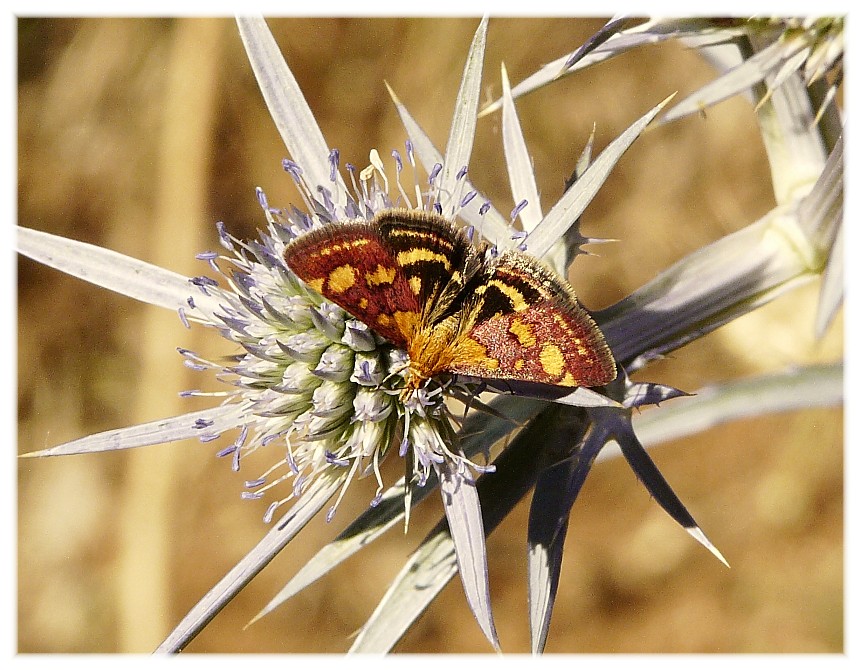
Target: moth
(414, 278)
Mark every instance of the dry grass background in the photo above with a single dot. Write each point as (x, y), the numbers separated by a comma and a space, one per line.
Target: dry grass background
(139, 134)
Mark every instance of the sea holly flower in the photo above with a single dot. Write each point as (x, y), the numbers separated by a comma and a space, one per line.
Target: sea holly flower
(321, 382)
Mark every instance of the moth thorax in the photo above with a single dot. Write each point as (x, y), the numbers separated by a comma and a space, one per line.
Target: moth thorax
(431, 352)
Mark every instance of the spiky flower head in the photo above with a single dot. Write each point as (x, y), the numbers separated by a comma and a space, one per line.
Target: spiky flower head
(312, 383)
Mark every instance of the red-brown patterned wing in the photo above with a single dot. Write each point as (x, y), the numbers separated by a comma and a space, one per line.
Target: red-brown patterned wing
(525, 323)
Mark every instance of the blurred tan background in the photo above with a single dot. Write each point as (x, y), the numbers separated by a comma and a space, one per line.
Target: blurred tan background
(139, 135)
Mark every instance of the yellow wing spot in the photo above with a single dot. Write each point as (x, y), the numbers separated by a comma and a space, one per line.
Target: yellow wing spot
(418, 254)
(523, 332)
(335, 248)
(341, 279)
(381, 275)
(552, 360)
(384, 320)
(415, 284)
(519, 364)
(316, 284)
(471, 354)
(567, 380)
(516, 298)
(362, 304)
